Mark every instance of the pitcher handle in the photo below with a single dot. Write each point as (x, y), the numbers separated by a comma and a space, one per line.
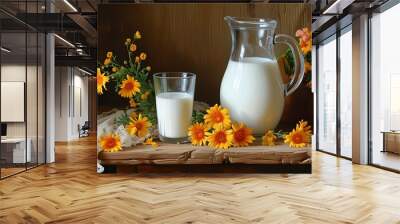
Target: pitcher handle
(298, 75)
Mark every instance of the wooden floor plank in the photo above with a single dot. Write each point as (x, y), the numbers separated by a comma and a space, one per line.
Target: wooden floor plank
(70, 191)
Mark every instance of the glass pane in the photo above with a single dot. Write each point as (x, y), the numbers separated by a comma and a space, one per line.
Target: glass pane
(31, 97)
(41, 98)
(346, 94)
(385, 84)
(327, 96)
(13, 86)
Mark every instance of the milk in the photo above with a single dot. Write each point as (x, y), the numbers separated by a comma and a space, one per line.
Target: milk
(174, 113)
(253, 92)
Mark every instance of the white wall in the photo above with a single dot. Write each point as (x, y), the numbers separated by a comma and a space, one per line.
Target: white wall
(71, 94)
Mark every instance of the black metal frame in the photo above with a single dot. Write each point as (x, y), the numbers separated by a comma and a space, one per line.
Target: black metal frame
(339, 32)
(44, 57)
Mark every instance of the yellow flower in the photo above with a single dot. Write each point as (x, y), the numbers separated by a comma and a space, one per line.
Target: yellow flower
(132, 103)
(137, 59)
(109, 54)
(132, 47)
(307, 67)
(110, 143)
(107, 61)
(138, 35)
(242, 135)
(269, 138)
(133, 115)
(129, 87)
(101, 81)
(303, 125)
(150, 141)
(217, 116)
(300, 136)
(128, 41)
(114, 69)
(148, 68)
(220, 138)
(145, 96)
(197, 134)
(138, 126)
(143, 56)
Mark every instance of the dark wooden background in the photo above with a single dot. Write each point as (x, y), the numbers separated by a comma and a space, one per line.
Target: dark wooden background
(194, 37)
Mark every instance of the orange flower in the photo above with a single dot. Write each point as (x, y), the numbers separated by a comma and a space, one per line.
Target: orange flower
(114, 69)
(137, 59)
(145, 96)
(143, 56)
(109, 54)
(139, 126)
(107, 61)
(307, 67)
(220, 138)
(110, 143)
(129, 87)
(138, 35)
(101, 81)
(217, 116)
(197, 134)
(304, 34)
(242, 135)
(269, 138)
(150, 141)
(132, 103)
(132, 47)
(300, 136)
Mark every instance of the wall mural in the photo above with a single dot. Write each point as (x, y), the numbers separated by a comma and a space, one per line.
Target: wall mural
(223, 92)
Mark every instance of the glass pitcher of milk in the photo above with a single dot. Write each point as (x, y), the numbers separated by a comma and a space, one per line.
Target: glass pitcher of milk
(252, 88)
(174, 104)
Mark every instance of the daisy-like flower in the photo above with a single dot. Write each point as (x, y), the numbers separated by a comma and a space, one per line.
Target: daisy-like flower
(220, 138)
(101, 81)
(145, 96)
(129, 87)
(132, 47)
(132, 103)
(138, 126)
(133, 115)
(198, 134)
(110, 143)
(305, 39)
(151, 142)
(143, 56)
(300, 136)
(242, 135)
(217, 116)
(107, 61)
(269, 138)
(109, 54)
(138, 35)
(306, 46)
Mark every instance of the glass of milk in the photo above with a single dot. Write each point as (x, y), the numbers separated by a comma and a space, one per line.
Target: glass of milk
(174, 102)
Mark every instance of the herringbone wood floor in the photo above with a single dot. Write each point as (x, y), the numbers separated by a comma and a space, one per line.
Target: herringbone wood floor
(70, 191)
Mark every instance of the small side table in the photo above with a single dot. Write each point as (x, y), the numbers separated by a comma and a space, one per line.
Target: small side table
(391, 141)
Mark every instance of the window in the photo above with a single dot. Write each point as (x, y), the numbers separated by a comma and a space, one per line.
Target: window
(327, 96)
(385, 89)
(346, 92)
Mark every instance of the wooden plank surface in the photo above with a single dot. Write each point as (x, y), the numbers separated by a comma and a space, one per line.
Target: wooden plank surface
(188, 154)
